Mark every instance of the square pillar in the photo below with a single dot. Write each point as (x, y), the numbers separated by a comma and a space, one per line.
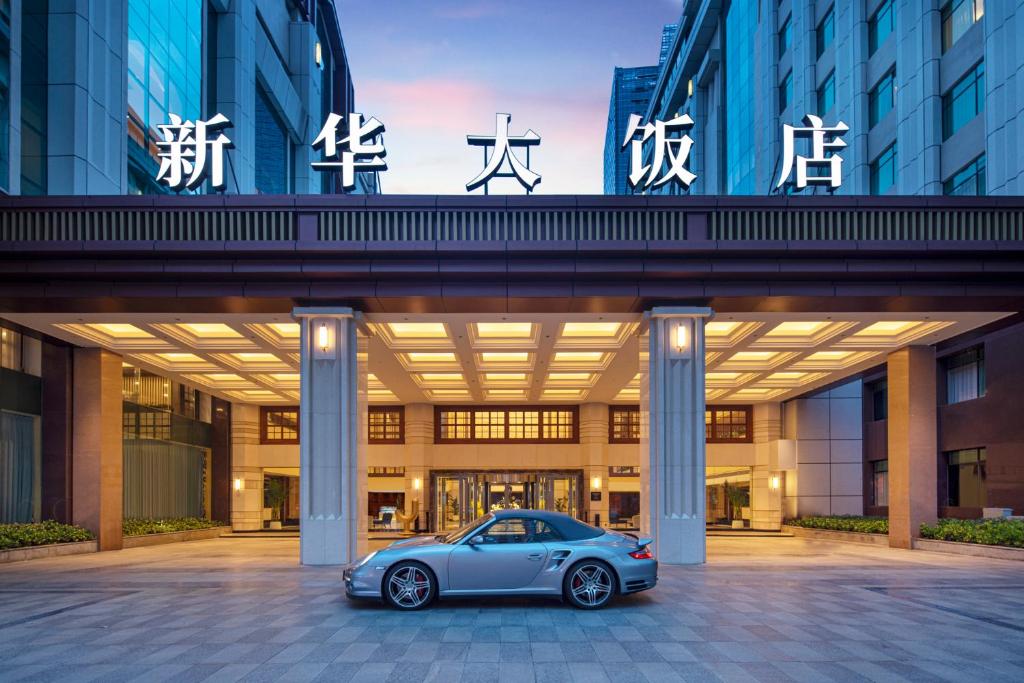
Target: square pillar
(672, 408)
(97, 442)
(332, 417)
(913, 444)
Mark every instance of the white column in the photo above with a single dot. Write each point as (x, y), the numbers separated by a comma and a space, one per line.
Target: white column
(672, 406)
(332, 418)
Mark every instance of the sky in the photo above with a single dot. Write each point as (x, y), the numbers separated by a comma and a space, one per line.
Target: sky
(434, 71)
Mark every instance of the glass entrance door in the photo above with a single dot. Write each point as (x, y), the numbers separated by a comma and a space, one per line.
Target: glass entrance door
(461, 497)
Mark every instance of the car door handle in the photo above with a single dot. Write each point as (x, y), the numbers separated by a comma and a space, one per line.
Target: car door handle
(535, 556)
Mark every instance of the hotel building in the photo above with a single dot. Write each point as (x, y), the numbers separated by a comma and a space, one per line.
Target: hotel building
(362, 364)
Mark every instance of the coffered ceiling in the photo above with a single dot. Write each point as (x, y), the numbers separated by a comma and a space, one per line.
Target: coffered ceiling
(464, 358)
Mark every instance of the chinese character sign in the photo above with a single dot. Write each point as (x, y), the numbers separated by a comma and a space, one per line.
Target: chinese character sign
(501, 144)
(675, 150)
(823, 140)
(361, 150)
(192, 151)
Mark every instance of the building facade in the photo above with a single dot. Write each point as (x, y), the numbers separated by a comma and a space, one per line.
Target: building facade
(651, 363)
(926, 88)
(631, 89)
(86, 85)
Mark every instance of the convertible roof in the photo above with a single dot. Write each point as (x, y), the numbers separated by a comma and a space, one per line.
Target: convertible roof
(569, 528)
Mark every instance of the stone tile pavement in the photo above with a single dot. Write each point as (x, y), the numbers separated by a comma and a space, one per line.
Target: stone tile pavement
(762, 609)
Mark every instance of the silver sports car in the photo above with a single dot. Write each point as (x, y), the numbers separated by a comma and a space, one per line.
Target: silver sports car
(509, 552)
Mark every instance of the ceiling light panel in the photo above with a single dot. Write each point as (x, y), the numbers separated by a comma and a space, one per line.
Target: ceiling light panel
(755, 361)
(594, 334)
(504, 360)
(892, 333)
(116, 336)
(511, 335)
(205, 336)
(801, 334)
(279, 335)
(723, 334)
(422, 361)
(833, 360)
(506, 378)
(253, 361)
(580, 360)
(414, 335)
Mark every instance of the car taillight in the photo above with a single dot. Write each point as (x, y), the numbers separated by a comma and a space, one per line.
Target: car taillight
(642, 554)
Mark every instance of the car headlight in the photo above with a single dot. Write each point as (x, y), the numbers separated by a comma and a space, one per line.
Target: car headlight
(365, 559)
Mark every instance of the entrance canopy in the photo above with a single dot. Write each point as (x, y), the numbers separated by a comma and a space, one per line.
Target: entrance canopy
(507, 359)
(537, 254)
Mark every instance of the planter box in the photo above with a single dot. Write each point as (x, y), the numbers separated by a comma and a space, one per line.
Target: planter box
(35, 552)
(974, 549)
(175, 537)
(843, 536)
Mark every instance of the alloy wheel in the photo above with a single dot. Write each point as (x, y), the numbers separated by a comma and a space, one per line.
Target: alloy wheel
(591, 585)
(409, 587)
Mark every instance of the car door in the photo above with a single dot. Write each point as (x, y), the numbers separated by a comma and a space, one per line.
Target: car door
(506, 558)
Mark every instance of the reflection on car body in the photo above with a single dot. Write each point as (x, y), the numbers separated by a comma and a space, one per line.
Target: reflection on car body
(508, 552)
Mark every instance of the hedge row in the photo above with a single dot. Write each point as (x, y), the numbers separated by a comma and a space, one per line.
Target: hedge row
(1004, 532)
(40, 533)
(142, 527)
(863, 525)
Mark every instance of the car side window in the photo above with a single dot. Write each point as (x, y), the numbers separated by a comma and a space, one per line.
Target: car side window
(511, 530)
(542, 531)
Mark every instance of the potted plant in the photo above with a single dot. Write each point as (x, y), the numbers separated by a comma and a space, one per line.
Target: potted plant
(738, 498)
(274, 495)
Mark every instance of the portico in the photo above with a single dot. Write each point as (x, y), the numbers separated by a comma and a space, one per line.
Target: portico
(410, 362)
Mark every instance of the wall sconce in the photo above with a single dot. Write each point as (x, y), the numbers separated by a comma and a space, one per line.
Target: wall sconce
(416, 484)
(595, 483)
(318, 54)
(774, 482)
(238, 484)
(681, 338)
(323, 337)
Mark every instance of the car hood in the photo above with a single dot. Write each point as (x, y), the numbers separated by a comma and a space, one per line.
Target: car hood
(414, 541)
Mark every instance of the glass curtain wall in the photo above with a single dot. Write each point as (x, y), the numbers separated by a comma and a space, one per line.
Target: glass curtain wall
(740, 27)
(165, 41)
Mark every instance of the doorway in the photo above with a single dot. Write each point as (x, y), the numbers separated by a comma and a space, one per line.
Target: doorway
(461, 497)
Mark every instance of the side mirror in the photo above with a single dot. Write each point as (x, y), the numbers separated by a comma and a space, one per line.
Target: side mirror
(475, 540)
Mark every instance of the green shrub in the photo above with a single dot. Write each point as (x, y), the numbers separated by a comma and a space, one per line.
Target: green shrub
(41, 533)
(141, 527)
(863, 525)
(1005, 532)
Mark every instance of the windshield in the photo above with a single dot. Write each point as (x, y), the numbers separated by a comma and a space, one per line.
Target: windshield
(459, 534)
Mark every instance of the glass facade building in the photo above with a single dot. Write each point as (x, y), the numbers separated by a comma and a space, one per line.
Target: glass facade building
(741, 71)
(273, 68)
(631, 88)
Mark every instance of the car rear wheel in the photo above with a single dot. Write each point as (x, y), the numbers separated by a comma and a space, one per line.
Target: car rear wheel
(589, 584)
(409, 586)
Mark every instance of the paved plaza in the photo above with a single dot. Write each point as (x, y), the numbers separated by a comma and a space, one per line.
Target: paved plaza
(765, 609)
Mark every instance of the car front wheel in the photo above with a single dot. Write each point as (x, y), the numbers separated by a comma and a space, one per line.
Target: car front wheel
(409, 586)
(589, 585)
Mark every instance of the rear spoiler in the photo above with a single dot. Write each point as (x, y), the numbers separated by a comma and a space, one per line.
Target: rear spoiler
(640, 542)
